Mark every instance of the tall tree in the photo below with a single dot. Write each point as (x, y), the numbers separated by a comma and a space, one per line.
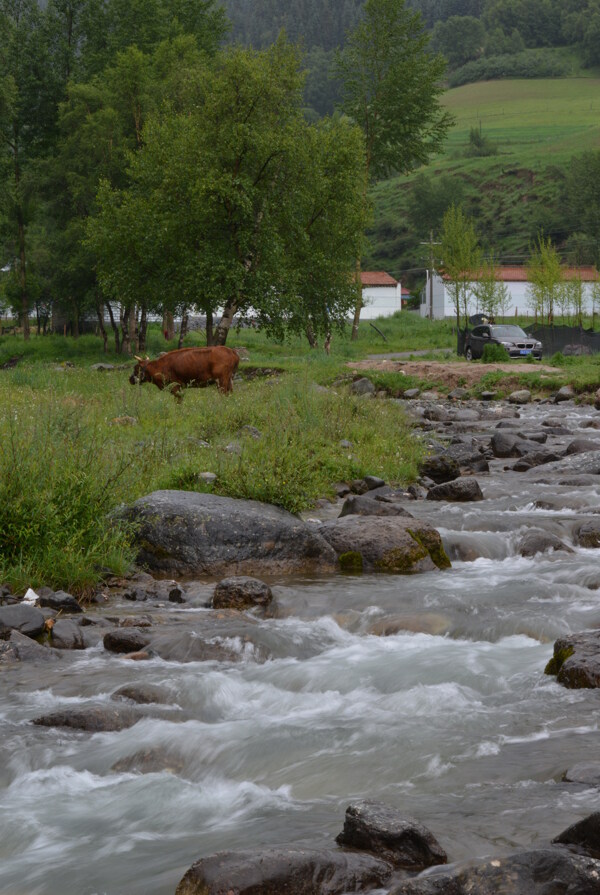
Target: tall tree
(461, 259)
(490, 290)
(391, 87)
(545, 275)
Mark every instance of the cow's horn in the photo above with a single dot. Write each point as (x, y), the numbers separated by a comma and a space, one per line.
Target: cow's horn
(141, 359)
(147, 357)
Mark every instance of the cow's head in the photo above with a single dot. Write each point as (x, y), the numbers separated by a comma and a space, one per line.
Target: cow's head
(139, 374)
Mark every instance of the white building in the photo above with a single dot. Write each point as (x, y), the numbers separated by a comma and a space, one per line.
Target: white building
(517, 284)
(382, 294)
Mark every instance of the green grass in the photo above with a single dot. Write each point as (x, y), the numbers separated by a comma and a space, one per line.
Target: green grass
(75, 443)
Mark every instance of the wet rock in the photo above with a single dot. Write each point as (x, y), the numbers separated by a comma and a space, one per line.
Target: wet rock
(580, 464)
(582, 446)
(436, 414)
(94, 719)
(507, 424)
(416, 492)
(521, 396)
(466, 415)
(21, 617)
(579, 481)
(468, 459)
(187, 646)
(150, 761)
(61, 601)
(421, 623)
(566, 393)
(459, 490)
(538, 541)
(358, 486)
(504, 445)
(534, 458)
(547, 871)
(587, 773)
(363, 505)
(68, 634)
(143, 694)
(584, 836)
(488, 396)
(176, 595)
(588, 534)
(373, 481)
(576, 661)
(341, 489)
(458, 394)
(125, 640)
(537, 437)
(20, 648)
(293, 871)
(191, 533)
(387, 544)
(440, 468)
(597, 399)
(388, 834)
(241, 592)
(411, 393)
(362, 387)
(589, 424)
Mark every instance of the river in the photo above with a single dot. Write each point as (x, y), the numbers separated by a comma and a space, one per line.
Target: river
(426, 692)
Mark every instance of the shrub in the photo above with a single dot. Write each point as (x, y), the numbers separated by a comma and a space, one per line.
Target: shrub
(494, 354)
(528, 64)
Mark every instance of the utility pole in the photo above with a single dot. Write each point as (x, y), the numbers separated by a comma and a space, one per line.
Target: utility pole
(430, 270)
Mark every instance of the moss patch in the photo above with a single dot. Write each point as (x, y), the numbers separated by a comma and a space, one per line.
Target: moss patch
(402, 560)
(432, 542)
(558, 659)
(351, 561)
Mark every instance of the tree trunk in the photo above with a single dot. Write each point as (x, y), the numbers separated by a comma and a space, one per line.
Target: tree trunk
(210, 336)
(168, 326)
(115, 328)
(133, 336)
(143, 329)
(24, 313)
(310, 335)
(101, 326)
(183, 328)
(125, 338)
(359, 304)
(37, 318)
(75, 321)
(225, 322)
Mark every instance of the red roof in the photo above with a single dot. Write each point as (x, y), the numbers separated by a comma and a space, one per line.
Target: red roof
(405, 291)
(377, 278)
(519, 274)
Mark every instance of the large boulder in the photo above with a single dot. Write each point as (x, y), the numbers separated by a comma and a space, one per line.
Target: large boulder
(576, 660)
(23, 618)
(521, 396)
(584, 836)
(588, 533)
(275, 871)
(191, 533)
(20, 648)
(544, 871)
(460, 490)
(61, 601)
(388, 834)
(94, 719)
(385, 543)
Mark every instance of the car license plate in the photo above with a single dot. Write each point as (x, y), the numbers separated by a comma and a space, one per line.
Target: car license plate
(525, 351)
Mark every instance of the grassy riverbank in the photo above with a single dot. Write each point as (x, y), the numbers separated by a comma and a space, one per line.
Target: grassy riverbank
(75, 442)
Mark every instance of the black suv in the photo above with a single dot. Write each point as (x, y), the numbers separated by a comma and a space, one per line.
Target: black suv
(511, 337)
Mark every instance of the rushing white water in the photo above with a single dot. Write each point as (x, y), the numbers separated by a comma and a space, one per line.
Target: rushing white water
(425, 692)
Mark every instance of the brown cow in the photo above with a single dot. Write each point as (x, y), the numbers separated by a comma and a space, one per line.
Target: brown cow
(189, 367)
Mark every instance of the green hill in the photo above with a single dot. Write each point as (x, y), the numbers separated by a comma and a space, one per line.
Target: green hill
(536, 126)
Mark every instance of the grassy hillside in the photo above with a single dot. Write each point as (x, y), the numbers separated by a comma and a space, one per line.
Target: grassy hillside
(537, 126)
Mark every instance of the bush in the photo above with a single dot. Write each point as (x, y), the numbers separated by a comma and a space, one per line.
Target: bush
(529, 64)
(494, 354)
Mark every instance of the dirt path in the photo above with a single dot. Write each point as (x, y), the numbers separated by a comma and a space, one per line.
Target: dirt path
(451, 374)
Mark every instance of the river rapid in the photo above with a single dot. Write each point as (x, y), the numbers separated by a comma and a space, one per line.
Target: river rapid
(426, 692)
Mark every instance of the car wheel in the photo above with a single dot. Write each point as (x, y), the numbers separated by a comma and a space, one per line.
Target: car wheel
(469, 353)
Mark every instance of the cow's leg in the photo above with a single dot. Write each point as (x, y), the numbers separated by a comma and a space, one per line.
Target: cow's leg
(225, 384)
(176, 392)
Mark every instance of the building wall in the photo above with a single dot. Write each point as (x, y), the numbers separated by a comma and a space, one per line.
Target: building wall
(380, 301)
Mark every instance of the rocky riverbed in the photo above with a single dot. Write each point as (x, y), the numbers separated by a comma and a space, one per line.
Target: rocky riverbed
(342, 659)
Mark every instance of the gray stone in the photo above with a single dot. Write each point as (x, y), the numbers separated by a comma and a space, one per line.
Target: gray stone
(241, 592)
(384, 543)
(521, 396)
(184, 532)
(460, 490)
(234, 447)
(436, 414)
(576, 661)
(535, 458)
(346, 445)
(275, 871)
(566, 393)
(251, 431)
(364, 505)
(94, 719)
(125, 640)
(588, 534)
(68, 634)
(440, 468)
(416, 492)
(411, 393)
(187, 646)
(547, 871)
(209, 478)
(362, 387)
(458, 394)
(466, 415)
(102, 367)
(582, 446)
(587, 772)
(538, 541)
(60, 601)
(20, 648)
(373, 481)
(142, 694)
(176, 595)
(584, 835)
(487, 396)
(21, 617)
(386, 833)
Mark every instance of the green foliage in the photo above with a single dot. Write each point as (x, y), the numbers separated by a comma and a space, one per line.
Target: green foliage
(494, 354)
(461, 256)
(460, 39)
(480, 145)
(526, 64)
(430, 198)
(545, 276)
